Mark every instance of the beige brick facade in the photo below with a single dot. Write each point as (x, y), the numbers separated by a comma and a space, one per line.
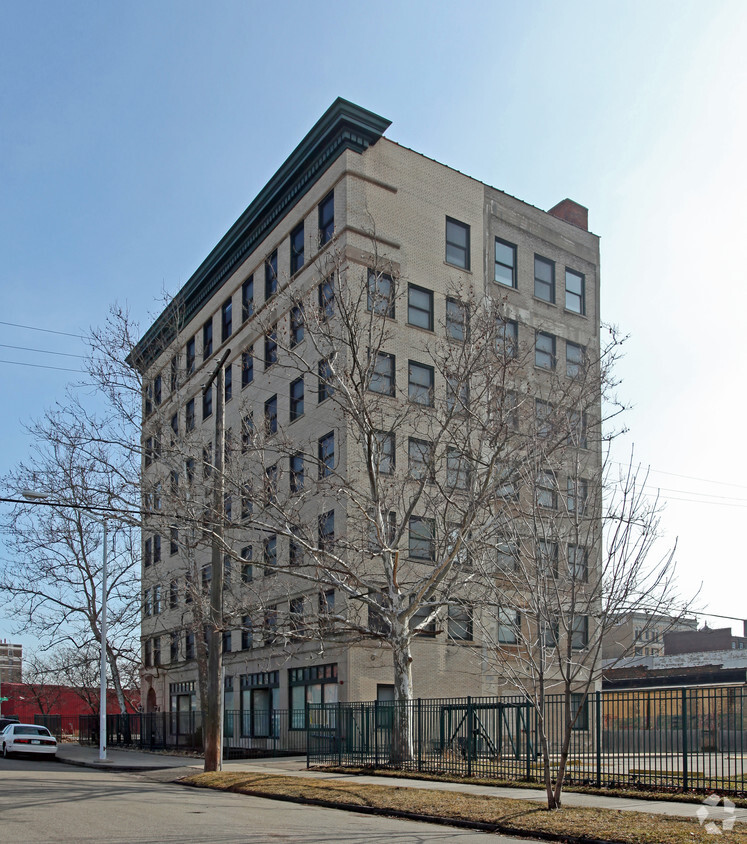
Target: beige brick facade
(390, 210)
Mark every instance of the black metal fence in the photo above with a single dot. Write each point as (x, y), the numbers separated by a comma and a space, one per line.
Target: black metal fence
(245, 734)
(52, 722)
(689, 739)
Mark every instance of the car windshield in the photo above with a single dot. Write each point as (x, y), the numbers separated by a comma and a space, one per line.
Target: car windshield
(31, 731)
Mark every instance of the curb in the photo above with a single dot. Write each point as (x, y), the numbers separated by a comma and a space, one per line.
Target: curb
(110, 766)
(414, 816)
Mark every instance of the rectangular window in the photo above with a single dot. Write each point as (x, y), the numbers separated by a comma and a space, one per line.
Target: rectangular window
(173, 540)
(270, 627)
(189, 470)
(247, 501)
(509, 626)
(577, 429)
(457, 394)
(550, 632)
(295, 550)
(577, 490)
(156, 600)
(246, 632)
(148, 654)
(270, 553)
(174, 373)
(326, 299)
(174, 428)
(296, 325)
(326, 218)
(295, 615)
(420, 459)
(575, 292)
(247, 298)
(271, 275)
(327, 530)
(148, 398)
(247, 432)
(226, 642)
(157, 385)
(146, 603)
(271, 347)
(507, 555)
(296, 399)
(190, 415)
(456, 319)
(326, 454)
(207, 403)
(173, 595)
(457, 243)
(422, 544)
(580, 632)
(207, 339)
(190, 355)
(271, 484)
(296, 472)
(457, 470)
(271, 415)
(382, 377)
(575, 358)
(148, 451)
(206, 577)
(381, 294)
(246, 565)
(506, 337)
(578, 563)
(547, 558)
(174, 647)
(383, 451)
(543, 418)
(228, 383)
(327, 602)
(460, 622)
(189, 646)
(226, 322)
(247, 366)
(296, 249)
(157, 548)
(420, 307)
(505, 263)
(423, 621)
(547, 491)
(420, 382)
(544, 279)
(325, 389)
(544, 350)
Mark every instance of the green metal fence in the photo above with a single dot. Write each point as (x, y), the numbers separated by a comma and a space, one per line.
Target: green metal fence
(685, 738)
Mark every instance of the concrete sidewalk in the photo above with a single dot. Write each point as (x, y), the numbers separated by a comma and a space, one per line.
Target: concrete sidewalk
(295, 766)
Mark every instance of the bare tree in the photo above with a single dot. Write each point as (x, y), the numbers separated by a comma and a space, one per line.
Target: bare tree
(572, 552)
(42, 682)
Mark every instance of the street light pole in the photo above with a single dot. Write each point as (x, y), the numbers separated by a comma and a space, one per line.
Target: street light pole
(212, 728)
(102, 700)
(40, 497)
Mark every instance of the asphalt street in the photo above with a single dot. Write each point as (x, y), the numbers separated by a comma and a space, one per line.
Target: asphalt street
(44, 801)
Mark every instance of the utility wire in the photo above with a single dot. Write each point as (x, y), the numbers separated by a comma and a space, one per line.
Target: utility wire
(44, 366)
(45, 330)
(42, 351)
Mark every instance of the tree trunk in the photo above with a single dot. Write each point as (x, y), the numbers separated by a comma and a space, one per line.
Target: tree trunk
(402, 744)
(116, 680)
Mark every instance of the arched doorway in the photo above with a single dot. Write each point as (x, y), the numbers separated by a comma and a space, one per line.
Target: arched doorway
(150, 701)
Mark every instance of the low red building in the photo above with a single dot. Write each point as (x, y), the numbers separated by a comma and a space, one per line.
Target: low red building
(25, 700)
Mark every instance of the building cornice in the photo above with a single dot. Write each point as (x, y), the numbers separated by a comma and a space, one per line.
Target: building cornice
(343, 126)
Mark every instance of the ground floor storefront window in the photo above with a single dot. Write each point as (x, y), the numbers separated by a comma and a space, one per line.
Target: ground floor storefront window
(314, 684)
(260, 695)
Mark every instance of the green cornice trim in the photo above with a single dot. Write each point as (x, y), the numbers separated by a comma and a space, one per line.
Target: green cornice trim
(343, 126)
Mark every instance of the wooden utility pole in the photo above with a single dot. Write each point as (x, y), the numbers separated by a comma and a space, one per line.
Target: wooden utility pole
(212, 726)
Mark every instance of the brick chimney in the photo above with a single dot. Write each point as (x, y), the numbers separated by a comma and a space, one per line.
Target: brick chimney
(572, 213)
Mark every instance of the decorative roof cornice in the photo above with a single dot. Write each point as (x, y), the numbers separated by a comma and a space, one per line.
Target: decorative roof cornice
(343, 126)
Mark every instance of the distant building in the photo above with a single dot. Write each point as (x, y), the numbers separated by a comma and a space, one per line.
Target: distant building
(698, 641)
(642, 634)
(11, 662)
(684, 669)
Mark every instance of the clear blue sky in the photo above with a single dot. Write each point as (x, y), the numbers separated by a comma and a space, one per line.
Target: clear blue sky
(132, 135)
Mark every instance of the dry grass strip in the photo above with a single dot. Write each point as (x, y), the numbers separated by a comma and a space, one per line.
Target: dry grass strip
(516, 817)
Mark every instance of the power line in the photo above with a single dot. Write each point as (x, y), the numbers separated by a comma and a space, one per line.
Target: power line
(44, 366)
(42, 351)
(45, 330)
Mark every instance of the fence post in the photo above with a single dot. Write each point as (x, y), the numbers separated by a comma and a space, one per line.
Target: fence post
(685, 783)
(339, 736)
(420, 734)
(376, 733)
(528, 739)
(470, 727)
(598, 713)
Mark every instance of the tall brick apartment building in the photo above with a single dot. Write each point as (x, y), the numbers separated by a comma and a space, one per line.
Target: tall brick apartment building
(349, 199)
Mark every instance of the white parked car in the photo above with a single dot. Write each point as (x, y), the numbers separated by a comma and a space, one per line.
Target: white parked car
(27, 738)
